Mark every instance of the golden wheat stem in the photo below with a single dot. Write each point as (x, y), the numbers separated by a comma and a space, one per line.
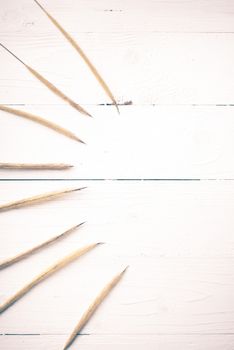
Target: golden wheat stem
(49, 85)
(35, 166)
(82, 54)
(42, 121)
(35, 199)
(93, 307)
(45, 274)
(10, 261)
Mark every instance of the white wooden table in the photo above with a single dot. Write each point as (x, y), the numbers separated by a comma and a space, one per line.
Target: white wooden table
(159, 175)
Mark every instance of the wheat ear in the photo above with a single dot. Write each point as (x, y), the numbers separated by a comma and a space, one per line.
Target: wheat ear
(92, 308)
(10, 261)
(49, 85)
(35, 199)
(45, 274)
(82, 54)
(42, 121)
(35, 166)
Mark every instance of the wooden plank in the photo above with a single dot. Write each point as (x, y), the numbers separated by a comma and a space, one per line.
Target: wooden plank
(114, 203)
(178, 296)
(143, 142)
(177, 238)
(173, 61)
(157, 68)
(123, 342)
(122, 15)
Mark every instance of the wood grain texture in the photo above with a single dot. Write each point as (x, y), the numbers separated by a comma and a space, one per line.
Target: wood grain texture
(172, 62)
(116, 342)
(124, 15)
(173, 52)
(157, 68)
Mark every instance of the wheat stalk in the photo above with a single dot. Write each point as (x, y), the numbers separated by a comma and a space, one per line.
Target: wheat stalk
(35, 199)
(45, 274)
(35, 166)
(10, 261)
(82, 54)
(49, 85)
(93, 307)
(42, 121)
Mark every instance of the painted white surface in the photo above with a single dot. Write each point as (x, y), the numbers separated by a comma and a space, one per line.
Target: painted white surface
(153, 68)
(177, 238)
(174, 61)
(165, 52)
(159, 142)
